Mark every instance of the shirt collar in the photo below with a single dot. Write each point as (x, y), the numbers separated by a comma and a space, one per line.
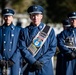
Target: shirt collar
(11, 26)
(39, 27)
(72, 28)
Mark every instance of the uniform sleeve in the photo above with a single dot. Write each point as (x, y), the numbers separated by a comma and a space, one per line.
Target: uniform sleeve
(23, 49)
(61, 45)
(52, 47)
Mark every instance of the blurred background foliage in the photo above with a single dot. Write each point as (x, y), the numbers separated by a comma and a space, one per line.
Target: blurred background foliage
(55, 10)
(21, 5)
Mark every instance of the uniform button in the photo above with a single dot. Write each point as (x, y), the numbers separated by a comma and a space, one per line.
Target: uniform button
(4, 49)
(9, 49)
(12, 28)
(4, 41)
(4, 34)
(12, 35)
(40, 27)
(10, 42)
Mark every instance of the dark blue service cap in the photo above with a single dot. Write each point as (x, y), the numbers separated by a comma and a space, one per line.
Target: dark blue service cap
(72, 15)
(7, 12)
(35, 9)
(66, 23)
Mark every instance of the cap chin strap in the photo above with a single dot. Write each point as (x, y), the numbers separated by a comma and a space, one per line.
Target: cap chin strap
(73, 17)
(8, 14)
(35, 12)
(67, 25)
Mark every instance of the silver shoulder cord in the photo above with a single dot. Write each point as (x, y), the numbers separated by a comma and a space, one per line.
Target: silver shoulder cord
(74, 37)
(73, 47)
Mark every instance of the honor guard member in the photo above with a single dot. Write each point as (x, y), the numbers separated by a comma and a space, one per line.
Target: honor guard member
(67, 46)
(37, 44)
(9, 35)
(59, 66)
